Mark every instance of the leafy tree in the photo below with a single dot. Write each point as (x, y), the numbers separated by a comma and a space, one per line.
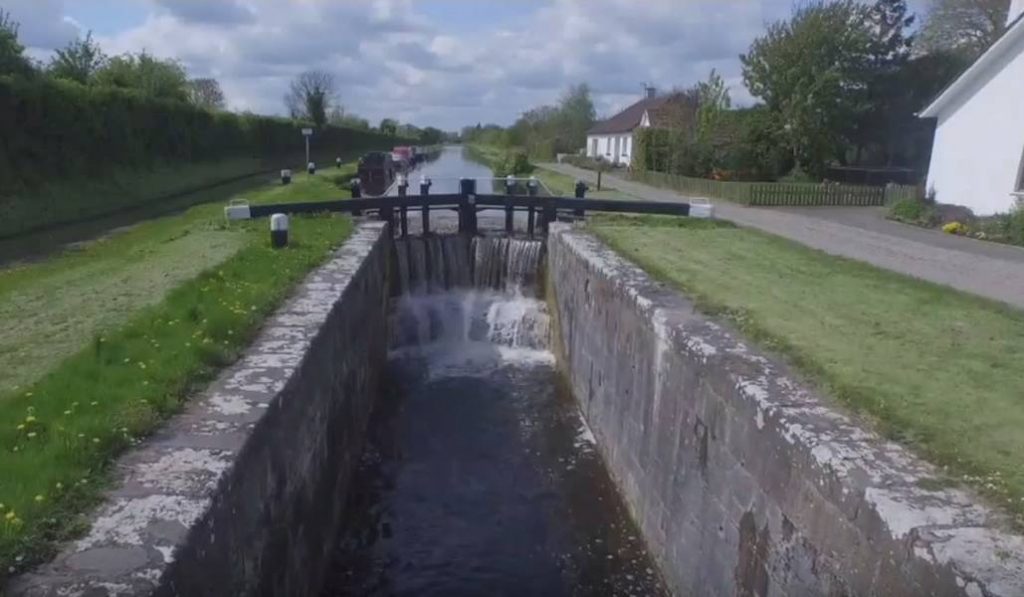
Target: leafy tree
(79, 61)
(206, 93)
(431, 136)
(311, 96)
(145, 74)
(712, 101)
(12, 53)
(968, 26)
(812, 72)
(388, 126)
(576, 114)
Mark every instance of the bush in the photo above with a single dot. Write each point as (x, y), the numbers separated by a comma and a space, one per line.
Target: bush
(954, 228)
(912, 211)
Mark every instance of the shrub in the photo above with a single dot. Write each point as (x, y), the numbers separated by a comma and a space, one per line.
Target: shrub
(912, 211)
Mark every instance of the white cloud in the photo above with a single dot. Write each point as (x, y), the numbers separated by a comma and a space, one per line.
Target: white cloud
(391, 60)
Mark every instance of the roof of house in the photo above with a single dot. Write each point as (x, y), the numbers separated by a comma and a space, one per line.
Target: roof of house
(628, 119)
(973, 75)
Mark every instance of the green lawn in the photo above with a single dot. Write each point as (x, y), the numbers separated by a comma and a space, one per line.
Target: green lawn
(934, 368)
(560, 184)
(104, 342)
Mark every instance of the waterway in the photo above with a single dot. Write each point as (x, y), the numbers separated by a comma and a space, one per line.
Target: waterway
(479, 476)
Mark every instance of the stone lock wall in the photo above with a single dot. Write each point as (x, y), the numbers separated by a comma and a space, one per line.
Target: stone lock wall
(244, 492)
(744, 481)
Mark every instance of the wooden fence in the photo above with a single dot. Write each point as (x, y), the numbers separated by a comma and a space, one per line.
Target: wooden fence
(777, 193)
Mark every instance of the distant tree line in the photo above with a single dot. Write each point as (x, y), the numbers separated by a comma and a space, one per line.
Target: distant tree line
(312, 96)
(544, 131)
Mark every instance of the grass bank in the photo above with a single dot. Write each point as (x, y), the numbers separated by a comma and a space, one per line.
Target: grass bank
(100, 345)
(933, 368)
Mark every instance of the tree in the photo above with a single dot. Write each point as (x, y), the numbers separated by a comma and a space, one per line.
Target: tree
(812, 73)
(575, 116)
(389, 126)
(431, 136)
(712, 101)
(145, 74)
(311, 96)
(79, 61)
(206, 93)
(12, 53)
(968, 26)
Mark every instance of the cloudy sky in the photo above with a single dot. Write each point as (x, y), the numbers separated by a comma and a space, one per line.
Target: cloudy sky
(445, 63)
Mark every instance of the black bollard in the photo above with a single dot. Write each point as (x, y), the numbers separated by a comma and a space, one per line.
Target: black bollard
(581, 189)
(286, 176)
(354, 187)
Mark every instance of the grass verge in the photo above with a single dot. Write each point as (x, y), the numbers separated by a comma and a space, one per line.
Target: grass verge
(128, 371)
(934, 368)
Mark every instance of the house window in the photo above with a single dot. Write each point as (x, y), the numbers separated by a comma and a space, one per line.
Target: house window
(625, 146)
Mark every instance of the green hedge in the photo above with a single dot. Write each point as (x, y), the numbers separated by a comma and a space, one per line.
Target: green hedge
(778, 194)
(59, 132)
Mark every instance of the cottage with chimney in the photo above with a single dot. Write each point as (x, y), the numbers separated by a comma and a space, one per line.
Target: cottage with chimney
(978, 156)
(612, 139)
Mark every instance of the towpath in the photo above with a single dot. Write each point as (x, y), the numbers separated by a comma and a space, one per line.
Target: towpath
(985, 269)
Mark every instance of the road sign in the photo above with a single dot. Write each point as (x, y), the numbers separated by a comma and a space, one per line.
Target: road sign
(307, 132)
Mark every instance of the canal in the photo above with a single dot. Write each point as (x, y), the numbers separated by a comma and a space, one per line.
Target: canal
(479, 476)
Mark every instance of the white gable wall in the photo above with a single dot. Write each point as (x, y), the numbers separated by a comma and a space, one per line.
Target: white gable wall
(979, 140)
(606, 144)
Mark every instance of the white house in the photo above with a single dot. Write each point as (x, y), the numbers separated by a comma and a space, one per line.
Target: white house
(612, 139)
(978, 155)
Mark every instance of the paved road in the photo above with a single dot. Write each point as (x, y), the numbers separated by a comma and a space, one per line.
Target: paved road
(986, 269)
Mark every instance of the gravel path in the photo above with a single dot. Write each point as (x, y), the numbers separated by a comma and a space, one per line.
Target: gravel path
(985, 269)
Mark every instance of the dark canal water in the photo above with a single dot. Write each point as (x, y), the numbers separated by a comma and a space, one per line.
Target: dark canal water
(479, 476)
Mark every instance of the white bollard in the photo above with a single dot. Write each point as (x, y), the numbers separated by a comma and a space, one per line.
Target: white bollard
(278, 231)
(286, 176)
(311, 168)
(337, 162)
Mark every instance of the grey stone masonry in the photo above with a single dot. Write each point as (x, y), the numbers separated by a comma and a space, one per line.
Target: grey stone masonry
(243, 492)
(743, 480)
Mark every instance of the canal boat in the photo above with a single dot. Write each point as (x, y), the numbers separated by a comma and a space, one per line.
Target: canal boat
(376, 173)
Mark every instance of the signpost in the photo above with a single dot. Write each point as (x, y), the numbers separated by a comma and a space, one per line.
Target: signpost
(307, 133)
